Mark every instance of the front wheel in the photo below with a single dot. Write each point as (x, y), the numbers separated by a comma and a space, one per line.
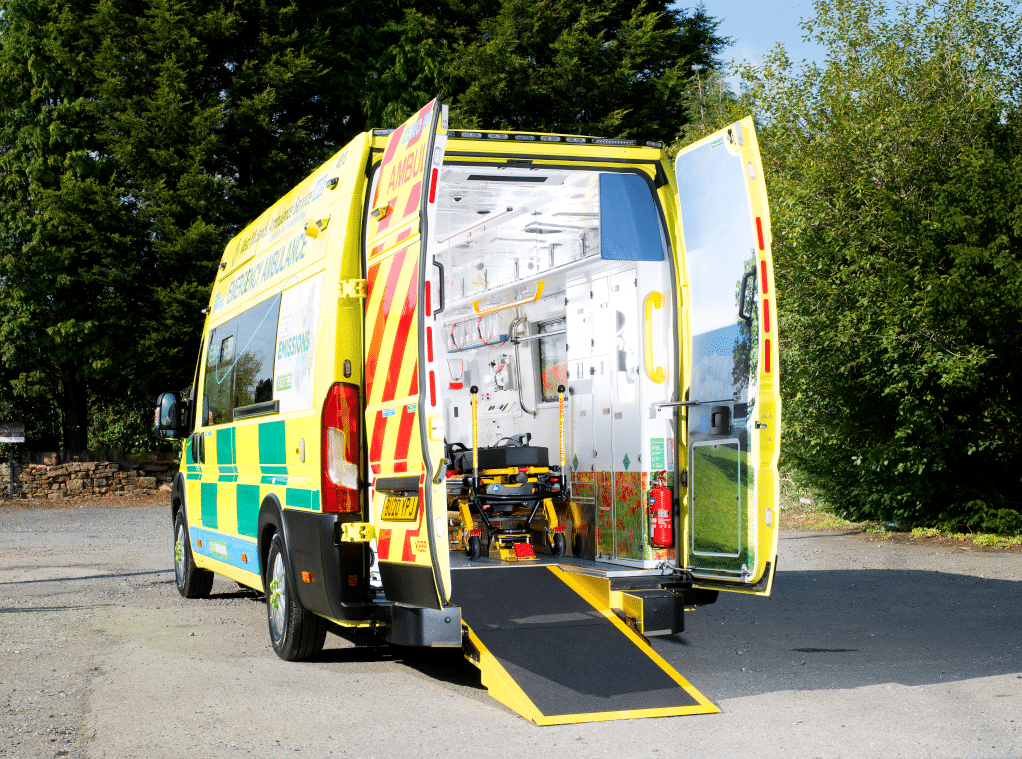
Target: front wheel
(474, 549)
(192, 582)
(296, 634)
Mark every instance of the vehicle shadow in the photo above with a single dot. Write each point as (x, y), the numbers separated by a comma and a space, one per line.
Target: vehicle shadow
(851, 628)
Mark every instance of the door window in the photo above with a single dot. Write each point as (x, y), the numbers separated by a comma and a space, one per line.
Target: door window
(239, 363)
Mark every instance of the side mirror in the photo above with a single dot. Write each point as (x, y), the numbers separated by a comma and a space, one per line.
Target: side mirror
(169, 419)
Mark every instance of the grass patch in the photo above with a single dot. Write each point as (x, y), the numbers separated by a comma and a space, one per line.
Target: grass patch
(803, 509)
(807, 515)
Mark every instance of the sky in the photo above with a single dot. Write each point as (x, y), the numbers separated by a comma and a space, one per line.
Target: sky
(756, 25)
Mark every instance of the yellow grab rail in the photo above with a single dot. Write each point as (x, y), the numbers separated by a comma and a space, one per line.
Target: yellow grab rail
(655, 373)
(512, 304)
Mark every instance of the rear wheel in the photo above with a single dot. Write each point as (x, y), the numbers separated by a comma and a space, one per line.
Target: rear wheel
(295, 633)
(192, 582)
(560, 544)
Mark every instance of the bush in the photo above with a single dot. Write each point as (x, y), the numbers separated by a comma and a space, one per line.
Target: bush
(123, 424)
(895, 182)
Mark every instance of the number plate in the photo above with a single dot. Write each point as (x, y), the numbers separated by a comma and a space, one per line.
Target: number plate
(401, 508)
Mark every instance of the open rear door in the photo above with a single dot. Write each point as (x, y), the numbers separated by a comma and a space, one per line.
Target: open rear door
(404, 426)
(733, 408)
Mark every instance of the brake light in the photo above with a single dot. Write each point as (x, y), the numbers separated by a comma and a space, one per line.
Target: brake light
(340, 449)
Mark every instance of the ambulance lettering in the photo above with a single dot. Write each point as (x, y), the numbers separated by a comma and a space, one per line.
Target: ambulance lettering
(407, 169)
(261, 271)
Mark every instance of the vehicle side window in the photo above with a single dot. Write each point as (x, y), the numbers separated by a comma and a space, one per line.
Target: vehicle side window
(629, 221)
(239, 362)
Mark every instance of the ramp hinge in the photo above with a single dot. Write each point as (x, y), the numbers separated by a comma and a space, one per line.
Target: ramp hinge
(357, 532)
(354, 288)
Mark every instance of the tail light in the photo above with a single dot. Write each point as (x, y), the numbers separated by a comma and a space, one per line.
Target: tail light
(341, 424)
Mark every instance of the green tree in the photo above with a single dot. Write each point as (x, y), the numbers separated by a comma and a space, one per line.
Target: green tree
(133, 145)
(895, 179)
(617, 68)
(137, 139)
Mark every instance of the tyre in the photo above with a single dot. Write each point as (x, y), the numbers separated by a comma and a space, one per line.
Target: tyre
(474, 549)
(192, 582)
(578, 545)
(296, 634)
(560, 545)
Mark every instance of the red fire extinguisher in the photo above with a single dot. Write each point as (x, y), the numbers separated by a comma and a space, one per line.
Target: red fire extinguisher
(661, 513)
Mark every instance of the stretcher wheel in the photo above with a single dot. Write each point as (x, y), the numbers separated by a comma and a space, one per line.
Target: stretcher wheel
(560, 544)
(578, 545)
(474, 548)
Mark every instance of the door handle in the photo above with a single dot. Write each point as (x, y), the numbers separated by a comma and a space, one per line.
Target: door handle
(440, 289)
(747, 318)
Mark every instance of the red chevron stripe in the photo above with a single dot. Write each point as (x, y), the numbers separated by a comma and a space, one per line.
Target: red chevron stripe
(404, 435)
(414, 200)
(383, 544)
(379, 430)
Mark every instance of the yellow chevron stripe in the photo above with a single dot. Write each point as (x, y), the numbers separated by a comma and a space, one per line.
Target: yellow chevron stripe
(388, 242)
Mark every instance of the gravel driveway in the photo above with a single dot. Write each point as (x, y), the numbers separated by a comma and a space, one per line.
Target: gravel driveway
(867, 648)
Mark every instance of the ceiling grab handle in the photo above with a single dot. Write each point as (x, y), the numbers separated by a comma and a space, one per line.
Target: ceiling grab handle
(655, 373)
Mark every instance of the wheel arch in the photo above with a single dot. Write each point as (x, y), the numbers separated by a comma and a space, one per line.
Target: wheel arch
(177, 496)
(271, 521)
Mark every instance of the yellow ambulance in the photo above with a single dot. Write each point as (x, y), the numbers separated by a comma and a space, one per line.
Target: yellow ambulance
(497, 391)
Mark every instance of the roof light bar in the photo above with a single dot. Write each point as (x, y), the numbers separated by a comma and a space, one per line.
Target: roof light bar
(571, 139)
(608, 141)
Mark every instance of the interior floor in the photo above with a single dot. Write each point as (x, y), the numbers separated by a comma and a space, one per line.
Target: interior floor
(460, 561)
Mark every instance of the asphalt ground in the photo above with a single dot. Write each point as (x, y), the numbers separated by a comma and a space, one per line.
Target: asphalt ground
(868, 647)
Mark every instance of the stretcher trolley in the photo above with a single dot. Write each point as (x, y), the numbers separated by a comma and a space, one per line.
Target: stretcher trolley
(505, 486)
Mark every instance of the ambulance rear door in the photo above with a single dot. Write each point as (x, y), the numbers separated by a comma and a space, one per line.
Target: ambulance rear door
(404, 422)
(733, 399)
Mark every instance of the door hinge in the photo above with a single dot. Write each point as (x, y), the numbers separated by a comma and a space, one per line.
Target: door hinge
(357, 532)
(353, 288)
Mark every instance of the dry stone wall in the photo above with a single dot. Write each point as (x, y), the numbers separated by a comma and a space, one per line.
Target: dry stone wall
(86, 478)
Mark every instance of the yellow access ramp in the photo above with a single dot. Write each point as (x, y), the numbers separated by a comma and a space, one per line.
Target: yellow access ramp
(547, 651)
